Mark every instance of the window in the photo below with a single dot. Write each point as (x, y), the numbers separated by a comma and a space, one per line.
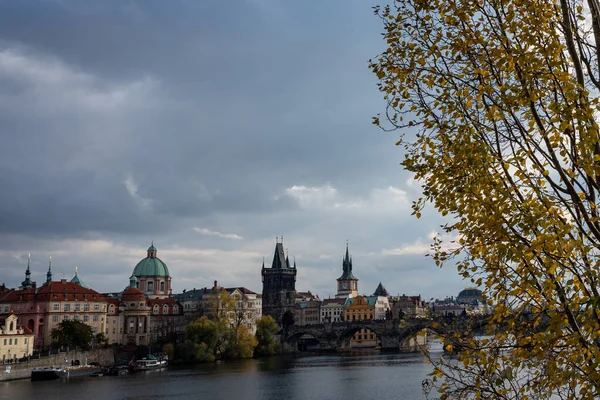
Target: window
(165, 309)
(86, 307)
(25, 340)
(5, 342)
(86, 318)
(55, 318)
(67, 307)
(66, 317)
(155, 310)
(150, 286)
(10, 341)
(76, 318)
(76, 307)
(55, 307)
(16, 341)
(96, 307)
(95, 329)
(95, 318)
(162, 286)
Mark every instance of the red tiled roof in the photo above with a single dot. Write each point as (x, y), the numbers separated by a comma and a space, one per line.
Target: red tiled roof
(241, 289)
(53, 290)
(334, 301)
(133, 294)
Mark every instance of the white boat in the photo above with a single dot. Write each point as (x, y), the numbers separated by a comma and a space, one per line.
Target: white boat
(149, 363)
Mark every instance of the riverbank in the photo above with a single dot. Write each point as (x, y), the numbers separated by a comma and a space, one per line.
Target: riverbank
(22, 370)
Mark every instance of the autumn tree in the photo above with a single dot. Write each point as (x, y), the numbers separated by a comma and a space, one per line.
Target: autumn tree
(266, 328)
(73, 333)
(497, 105)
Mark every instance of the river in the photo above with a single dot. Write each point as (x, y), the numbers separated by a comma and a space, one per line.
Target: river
(358, 375)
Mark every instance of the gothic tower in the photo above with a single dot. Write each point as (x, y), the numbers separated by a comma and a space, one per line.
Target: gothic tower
(347, 284)
(279, 288)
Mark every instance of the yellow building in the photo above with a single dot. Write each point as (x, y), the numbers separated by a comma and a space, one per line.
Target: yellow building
(360, 309)
(15, 341)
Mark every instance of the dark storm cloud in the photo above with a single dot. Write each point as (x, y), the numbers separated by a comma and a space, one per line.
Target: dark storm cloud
(191, 123)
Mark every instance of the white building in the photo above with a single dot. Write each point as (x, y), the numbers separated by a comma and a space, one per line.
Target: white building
(15, 341)
(332, 310)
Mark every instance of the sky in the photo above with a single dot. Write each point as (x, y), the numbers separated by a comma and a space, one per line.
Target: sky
(208, 127)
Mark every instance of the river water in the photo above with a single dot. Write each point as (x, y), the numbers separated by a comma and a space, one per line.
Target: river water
(357, 375)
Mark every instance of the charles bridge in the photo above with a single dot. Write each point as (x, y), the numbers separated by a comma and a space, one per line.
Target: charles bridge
(397, 335)
(391, 334)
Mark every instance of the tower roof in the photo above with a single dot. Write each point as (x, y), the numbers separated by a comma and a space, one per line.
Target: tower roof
(78, 281)
(151, 265)
(347, 268)
(279, 260)
(380, 291)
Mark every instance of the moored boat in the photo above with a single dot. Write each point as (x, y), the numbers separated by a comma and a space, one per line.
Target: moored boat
(50, 373)
(150, 362)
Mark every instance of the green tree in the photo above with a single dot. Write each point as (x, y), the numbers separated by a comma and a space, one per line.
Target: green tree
(72, 333)
(497, 103)
(266, 328)
(101, 339)
(241, 343)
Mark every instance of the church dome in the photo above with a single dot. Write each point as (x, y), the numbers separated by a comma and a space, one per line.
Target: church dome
(151, 265)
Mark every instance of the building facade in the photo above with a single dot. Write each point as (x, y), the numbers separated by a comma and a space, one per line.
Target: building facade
(360, 309)
(308, 312)
(332, 310)
(279, 288)
(16, 341)
(41, 309)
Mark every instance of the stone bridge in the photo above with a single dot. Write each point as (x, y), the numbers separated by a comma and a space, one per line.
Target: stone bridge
(391, 334)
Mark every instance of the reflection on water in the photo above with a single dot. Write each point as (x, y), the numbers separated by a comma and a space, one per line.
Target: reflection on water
(365, 375)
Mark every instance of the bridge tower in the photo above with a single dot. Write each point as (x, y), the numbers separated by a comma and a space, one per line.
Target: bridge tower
(347, 284)
(279, 287)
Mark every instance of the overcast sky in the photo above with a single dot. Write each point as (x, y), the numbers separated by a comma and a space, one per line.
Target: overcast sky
(208, 127)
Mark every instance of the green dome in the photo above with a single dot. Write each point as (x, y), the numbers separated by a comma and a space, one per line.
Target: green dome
(151, 266)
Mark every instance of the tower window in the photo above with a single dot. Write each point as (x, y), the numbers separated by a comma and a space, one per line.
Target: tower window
(162, 286)
(150, 286)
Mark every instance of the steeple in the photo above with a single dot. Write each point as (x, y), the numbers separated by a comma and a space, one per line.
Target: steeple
(294, 262)
(347, 266)
(279, 260)
(49, 273)
(26, 284)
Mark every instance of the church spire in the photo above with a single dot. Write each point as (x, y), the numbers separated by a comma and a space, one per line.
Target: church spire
(49, 273)
(26, 284)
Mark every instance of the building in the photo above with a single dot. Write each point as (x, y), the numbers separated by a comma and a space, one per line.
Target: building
(16, 341)
(469, 296)
(247, 305)
(41, 309)
(359, 308)
(308, 312)
(332, 310)
(279, 288)
(409, 307)
(152, 276)
(305, 296)
(347, 284)
(247, 308)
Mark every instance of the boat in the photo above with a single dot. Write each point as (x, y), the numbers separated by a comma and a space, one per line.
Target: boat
(150, 362)
(115, 370)
(50, 373)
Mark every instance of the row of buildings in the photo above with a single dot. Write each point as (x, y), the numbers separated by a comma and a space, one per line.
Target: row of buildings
(146, 311)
